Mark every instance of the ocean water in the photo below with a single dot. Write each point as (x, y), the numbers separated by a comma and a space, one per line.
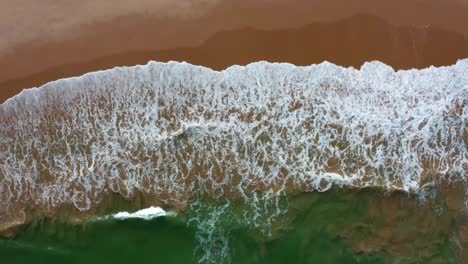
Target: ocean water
(333, 227)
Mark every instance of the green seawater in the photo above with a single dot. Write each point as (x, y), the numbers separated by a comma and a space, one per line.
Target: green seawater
(334, 227)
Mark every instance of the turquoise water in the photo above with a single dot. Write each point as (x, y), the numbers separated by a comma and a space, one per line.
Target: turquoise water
(318, 228)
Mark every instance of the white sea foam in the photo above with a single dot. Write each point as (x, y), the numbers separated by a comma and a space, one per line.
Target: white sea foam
(146, 214)
(173, 129)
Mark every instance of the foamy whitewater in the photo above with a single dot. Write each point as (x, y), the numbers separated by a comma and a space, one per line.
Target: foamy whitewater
(145, 214)
(177, 131)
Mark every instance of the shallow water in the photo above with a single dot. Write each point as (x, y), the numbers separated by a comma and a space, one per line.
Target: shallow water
(335, 227)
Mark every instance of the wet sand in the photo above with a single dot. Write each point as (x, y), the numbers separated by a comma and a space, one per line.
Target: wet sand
(348, 42)
(52, 46)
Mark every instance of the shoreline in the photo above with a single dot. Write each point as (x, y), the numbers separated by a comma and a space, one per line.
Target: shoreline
(31, 91)
(348, 42)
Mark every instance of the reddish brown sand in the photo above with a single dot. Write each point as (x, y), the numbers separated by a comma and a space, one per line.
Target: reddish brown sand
(348, 42)
(42, 39)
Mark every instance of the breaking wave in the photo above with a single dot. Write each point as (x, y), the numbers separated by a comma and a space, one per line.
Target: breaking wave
(145, 214)
(177, 131)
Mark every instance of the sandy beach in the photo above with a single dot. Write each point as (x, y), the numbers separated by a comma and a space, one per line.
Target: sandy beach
(43, 43)
(390, 145)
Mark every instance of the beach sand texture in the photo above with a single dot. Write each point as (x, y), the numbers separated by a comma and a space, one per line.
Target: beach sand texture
(57, 39)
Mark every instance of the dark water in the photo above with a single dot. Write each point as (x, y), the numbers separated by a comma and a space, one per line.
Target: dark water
(333, 227)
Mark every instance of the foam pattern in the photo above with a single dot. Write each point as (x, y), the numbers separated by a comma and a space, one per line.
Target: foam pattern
(173, 129)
